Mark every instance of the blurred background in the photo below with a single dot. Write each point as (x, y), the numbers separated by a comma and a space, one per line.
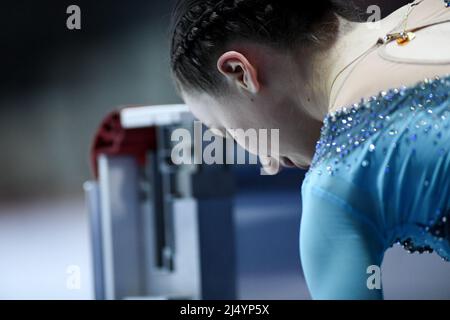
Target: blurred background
(56, 87)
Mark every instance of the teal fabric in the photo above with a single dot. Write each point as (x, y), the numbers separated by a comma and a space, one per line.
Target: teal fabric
(380, 175)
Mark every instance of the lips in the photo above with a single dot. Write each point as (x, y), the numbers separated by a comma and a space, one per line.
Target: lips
(286, 162)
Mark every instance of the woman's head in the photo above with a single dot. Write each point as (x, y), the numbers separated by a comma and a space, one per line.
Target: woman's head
(245, 63)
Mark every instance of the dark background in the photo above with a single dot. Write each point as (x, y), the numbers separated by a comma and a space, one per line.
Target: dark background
(57, 84)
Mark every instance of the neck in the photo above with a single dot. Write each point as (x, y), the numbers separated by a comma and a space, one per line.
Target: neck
(328, 68)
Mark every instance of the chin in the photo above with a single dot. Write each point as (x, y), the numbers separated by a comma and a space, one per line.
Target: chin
(303, 167)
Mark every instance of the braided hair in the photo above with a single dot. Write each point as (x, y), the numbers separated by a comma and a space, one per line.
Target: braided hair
(201, 29)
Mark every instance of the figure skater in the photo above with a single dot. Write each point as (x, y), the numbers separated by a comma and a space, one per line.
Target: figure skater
(365, 107)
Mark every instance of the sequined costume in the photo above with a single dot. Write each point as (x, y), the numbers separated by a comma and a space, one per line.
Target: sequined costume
(380, 175)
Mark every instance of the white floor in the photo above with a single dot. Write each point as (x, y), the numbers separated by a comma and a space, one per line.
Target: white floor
(42, 242)
(44, 249)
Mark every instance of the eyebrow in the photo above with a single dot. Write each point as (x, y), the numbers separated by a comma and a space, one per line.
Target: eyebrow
(211, 126)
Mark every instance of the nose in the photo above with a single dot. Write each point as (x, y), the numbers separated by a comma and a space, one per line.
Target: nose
(271, 165)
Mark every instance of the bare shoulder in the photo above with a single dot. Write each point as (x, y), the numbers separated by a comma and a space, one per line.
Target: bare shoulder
(431, 46)
(395, 66)
(363, 85)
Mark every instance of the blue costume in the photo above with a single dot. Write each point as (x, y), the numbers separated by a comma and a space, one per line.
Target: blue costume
(380, 175)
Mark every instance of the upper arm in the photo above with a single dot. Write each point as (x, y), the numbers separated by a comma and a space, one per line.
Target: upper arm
(336, 250)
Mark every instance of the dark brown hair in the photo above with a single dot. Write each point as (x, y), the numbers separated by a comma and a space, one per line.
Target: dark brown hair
(201, 29)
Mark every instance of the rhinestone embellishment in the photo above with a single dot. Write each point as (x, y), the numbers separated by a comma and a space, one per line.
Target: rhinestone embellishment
(390, 115)
(351, 127)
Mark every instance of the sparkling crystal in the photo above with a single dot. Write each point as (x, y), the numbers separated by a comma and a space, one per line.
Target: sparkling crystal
(348, 130)
(393, 132)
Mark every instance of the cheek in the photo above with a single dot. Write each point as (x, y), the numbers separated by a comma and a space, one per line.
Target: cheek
(256, 123)
(200, 114)
(251, 145)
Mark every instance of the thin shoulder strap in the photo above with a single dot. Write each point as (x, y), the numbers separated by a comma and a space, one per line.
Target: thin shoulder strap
(394, 36)
(391, 36)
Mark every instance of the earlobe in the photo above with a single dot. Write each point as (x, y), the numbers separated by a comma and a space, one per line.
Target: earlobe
(251, 80)
(238, 70)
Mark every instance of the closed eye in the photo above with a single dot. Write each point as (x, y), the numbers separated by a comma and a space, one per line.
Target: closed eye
(221, 132)
(218, 131)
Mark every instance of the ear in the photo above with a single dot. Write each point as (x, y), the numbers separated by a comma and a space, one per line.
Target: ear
(239, 71)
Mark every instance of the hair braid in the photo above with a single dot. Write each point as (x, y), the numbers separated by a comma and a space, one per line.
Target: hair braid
(199, 19)
(202, 28)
